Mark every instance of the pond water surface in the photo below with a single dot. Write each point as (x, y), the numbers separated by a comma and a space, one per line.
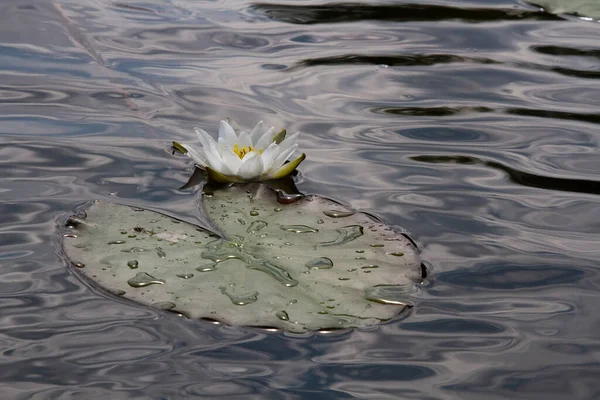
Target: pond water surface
(473, 124)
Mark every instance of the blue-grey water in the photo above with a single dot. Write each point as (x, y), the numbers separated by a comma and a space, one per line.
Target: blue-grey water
(475, 124)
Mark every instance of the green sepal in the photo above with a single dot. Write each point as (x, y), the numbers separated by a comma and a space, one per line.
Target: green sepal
(215, 176)
(288, 168)
(179, 147)
(280, 136)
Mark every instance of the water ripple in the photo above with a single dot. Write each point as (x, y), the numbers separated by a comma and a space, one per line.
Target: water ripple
(473, 126)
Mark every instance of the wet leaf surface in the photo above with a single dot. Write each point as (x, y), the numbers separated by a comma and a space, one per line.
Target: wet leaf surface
(308, 265)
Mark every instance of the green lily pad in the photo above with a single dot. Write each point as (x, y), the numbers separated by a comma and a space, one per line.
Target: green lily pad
(588, 8)
(311, 264)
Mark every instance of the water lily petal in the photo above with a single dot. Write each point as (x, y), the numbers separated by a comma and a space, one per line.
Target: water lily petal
(268, 156)
(205, 138)
(289, 141)
(198, 155)
(257, 132)
(221, 143)
(282, 157)
(286, 169)
(266, 139)
(210, 149)
(234, 124)
(214, 159)
(231, 159)
(251, 167)
(244, 139)
(226, 132)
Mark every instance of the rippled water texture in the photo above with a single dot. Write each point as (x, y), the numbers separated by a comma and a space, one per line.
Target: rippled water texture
(475, 125)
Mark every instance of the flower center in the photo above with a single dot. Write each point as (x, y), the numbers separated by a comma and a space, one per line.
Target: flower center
(242, 151)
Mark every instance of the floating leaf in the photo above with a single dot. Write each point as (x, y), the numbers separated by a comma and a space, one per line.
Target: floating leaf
(310, 264)
(589, 8)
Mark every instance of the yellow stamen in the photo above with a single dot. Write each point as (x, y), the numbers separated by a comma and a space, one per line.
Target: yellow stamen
(241, 152)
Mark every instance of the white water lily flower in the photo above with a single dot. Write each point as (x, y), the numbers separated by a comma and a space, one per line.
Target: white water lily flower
(256, 156)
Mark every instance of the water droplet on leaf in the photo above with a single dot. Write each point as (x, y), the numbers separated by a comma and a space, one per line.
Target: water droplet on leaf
(282, 315)
(299, 229)
(164, 305)
(256, 226)
(206, 268)
(285, 198)
(275, 272)
(142, 279)
(320, 263)
(239, 300)
(345, 234)
(338, 213)
(388, 294)
(134, 250)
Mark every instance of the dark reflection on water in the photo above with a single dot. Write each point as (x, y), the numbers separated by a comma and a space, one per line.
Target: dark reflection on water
(352, 12)
(473, 126)
(431, 111)
(566, 51)
(592, 118)
(521, 177)
(394, 61)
